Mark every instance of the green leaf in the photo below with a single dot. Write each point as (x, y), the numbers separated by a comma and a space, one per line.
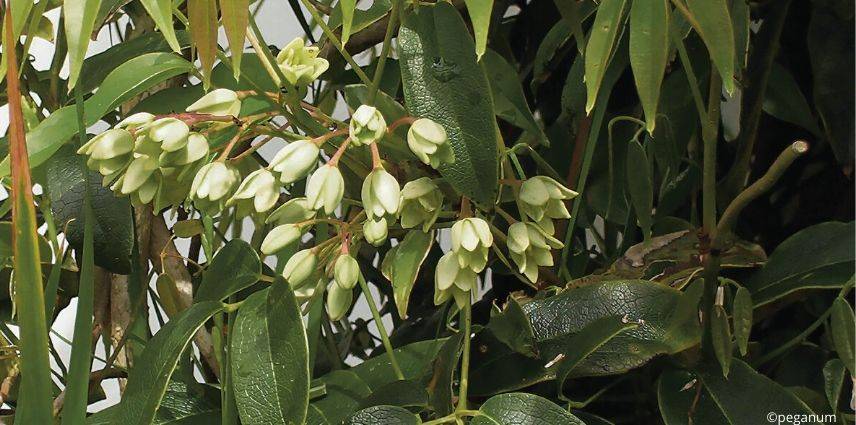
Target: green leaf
(347, 8)
(345, 392)
(236, 266)
(509, 101)
(236, 18)
(511, 326)
(79, 18)
(523, 409)
(442, 81)
(721, 338)
(270, 363)
(669, 325)
(676, 393)
(480, 11)
(362, 18)
(784, 100)
(202, 15)
(113, 226)
(398, 393)
(843, 334)
(741, 17)
(148, 380)
(126, 81)
(742, 317)
(649, 53)
(713, 24)
(833, 381)
(639, 186)
(789, 269)
(582, 344)
(20, 16)
(603, 40)
(443, 374)
(181, 405)
(402, 263)
(384, 415)
(161, 12)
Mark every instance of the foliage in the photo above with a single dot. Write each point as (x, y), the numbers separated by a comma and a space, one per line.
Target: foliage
(484, 212)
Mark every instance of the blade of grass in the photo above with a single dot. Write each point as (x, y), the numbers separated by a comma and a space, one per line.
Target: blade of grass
(34, 402)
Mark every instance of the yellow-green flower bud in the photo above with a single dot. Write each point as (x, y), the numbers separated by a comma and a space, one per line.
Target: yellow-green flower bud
(471, 238)
(346, 271)
(325, 189)
(109, 151)
(530, 247)
(367, 126)
(375, 231)
(257, 193)
(300, 64)
(280, 237)
(338, 301)
(429, 142)
(299, 267)
(542, 196)
(213, 185)
(195, 149)
(381, 194)
(421, 200)
(217, 102)
(170, 132)
(293, 211)
(295, 160)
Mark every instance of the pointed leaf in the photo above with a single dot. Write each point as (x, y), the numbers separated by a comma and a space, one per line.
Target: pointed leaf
(587, 341)
(602, 42)
(649, 52)
(235, 266)
(639, 186)
(509, 100)
(713, 24)
(843, 334)
(161, 12)
(721, 338)
(236, 18)
(347, 7)
(480, 11)
(511, 326)
(79, 17)
(742, 317)
(384, 415)
(523, 409)
(404, 263)
(203, 30)
(833, 381)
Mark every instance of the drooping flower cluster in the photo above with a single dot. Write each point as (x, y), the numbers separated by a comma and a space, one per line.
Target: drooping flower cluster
(458, 269)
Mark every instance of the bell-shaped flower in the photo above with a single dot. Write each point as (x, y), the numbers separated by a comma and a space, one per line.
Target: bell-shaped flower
(281, 237)
(453, 281)
(109, 151)
(339, 301)
(429, 142)
(135, 121)
(195, 149)
(381, 194)
(217, 102)
(148, 191)
(257, 193)
(346, 271)
(471, 238)
(213, 185)
(295, 160)
(375, 231)
(293, 211)
(421, 200)
(530, 247)
(139, 172)
(299, 267)
(300, 63)
(325, 189)
(367, 126)
(170, 132)
(542, 196)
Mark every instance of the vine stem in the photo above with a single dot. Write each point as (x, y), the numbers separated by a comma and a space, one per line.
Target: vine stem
(376, 161)
(381, 329)
(384, 51)
(467, 318)
(336, 43)
(709, 253)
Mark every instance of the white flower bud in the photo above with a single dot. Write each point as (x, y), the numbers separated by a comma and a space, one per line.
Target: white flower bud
(325, 188)
(109, 151)
(542, 196)
(300, 64)
(217, 102)
(171, 133)
(346, 271)
(293, 211)
(381, 194)
(138, 173)
(338, 301)
(450, 280)
(429, 142)
(280, 237)
(471, 238)
(295, 160)
(195, 149)
(421, 200)
(135, 121)
(299, 267)
(367, 126)
(530, 247)
(375, 231)
(257, 193)
(213, 185)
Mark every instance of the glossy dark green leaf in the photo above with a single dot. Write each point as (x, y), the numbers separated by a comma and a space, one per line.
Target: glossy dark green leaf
(843, 333)
(784, 100)
(270, 363)
(161, 13)
(383, 415)
(113, 227)
(742, 317)
(603, 40)
(676, 398)
(523, 409)
(833, 381)
(236, 18)
(235, 266)
(587, 341)
(126, 81)
(789, 269)
(345, 392)
(720, 331)
(640, 186)
(511, 326)
(181, 405)
(405, 393)
(649, 52)
(401, 265)
(148, 380)
(443, 81)
(509, 101)
(713, 24)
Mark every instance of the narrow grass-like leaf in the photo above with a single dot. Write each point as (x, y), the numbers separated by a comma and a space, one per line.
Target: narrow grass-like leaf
(721, 339)
(605, 32)
(842, 321)
(236, 18)
(713, 24)
(20, 16)
(79, 19)
(34, 396)
(640, 186)
(203, 30)
(480, 11)
(347, 7)
(161, 12)
(649, 53)
(742, 317)
(402, 263)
